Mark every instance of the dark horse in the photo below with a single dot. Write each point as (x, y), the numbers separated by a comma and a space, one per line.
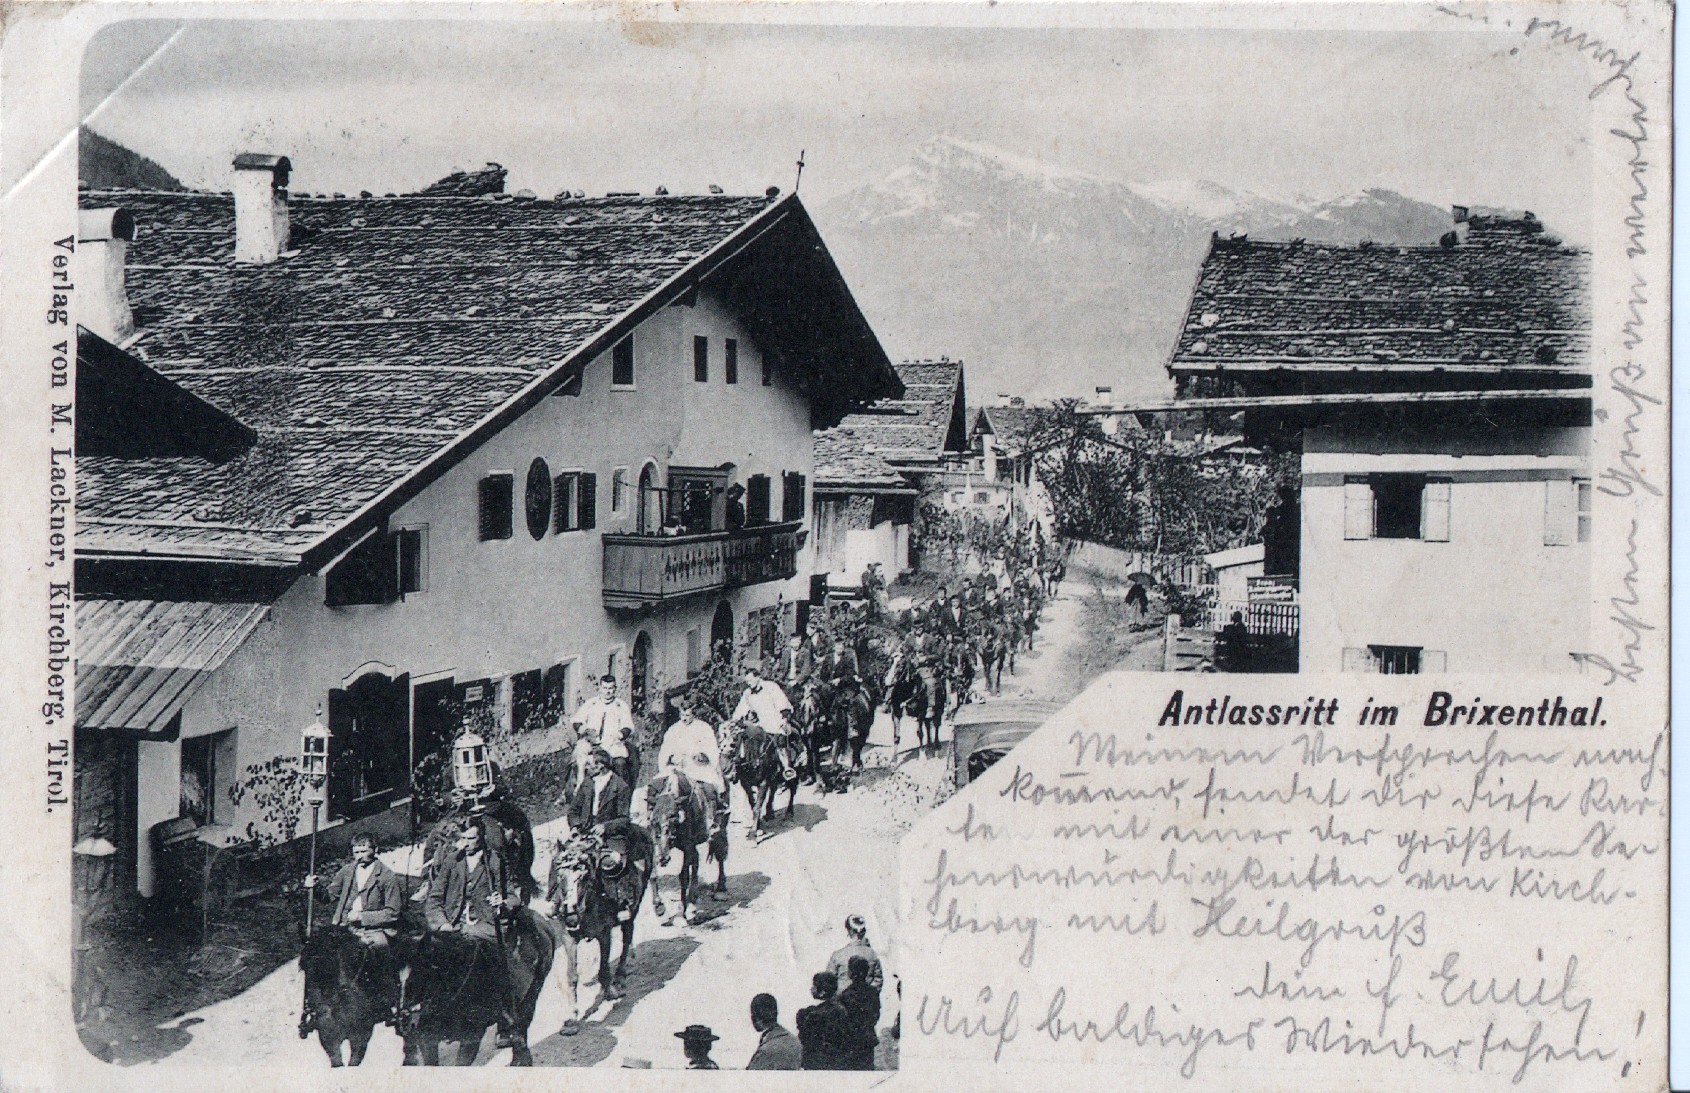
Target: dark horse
(751, 757)
(596, 885)
(929, 703)
(349, 989)
(818, 729)
(902, 684)
(685, 814)
(853, 717)
(457, 985)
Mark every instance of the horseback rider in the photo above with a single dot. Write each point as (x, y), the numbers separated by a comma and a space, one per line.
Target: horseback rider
(606, 721)
(470, 895)
(368, 900)
(764, 702)
(603, 799)
(690, 745)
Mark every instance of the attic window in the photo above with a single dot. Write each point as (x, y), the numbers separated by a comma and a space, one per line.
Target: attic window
(622, 363)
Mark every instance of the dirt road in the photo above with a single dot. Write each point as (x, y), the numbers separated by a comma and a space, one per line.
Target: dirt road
(782, 918)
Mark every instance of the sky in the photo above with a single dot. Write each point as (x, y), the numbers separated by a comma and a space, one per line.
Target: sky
(1447, 114)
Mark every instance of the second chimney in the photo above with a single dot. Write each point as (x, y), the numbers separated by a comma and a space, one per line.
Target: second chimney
(103, 238)
(261, 207)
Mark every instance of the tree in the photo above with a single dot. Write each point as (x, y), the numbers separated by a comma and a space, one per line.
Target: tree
(1146, 489)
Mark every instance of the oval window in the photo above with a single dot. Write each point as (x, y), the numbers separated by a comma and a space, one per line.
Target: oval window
(538, 501)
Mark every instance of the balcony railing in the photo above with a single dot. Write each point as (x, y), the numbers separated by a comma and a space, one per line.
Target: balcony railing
(643, 570)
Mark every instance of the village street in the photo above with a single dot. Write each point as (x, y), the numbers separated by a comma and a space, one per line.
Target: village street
(783, 915)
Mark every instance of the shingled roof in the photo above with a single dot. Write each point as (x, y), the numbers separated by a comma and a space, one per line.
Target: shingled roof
(1504, 307)
(1013, 426)
(868, 448)
(399, 333)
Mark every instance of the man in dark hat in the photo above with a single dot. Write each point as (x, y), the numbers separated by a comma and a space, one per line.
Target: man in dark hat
(696, 1041)
(736, 507)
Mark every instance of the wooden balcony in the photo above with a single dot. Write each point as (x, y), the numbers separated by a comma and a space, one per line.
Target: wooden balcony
(645, 570)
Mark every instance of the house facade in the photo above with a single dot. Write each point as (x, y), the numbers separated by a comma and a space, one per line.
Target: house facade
(495, 445)
(1440, 399)
(876, 467)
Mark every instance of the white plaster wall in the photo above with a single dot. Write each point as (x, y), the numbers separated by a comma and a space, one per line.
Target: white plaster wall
(500, 607)
(1493, 598)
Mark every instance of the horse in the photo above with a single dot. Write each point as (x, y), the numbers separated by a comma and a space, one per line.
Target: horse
(593, 889)
(751, 757)
(992, 657)
(903, 682)
(457, 986)
(685, 814)
(930, 701)
(350, 988)
(854, 717)
(819, 729)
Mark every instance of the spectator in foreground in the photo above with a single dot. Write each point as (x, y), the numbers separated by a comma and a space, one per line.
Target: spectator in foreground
(696, 1041)
(839, 964)
(861, 1003)
(822, 1028)
(778, 1049)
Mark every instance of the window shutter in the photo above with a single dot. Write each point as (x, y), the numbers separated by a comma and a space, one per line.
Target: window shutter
(1558, 512)
(587, 500)
(757, 500)
(1357, 659)
(1358, 509)
(1434, 512)
(410, 560)
(730, 360)
(792, 497)
(497, 492)
(1433, 660)
(701, 358)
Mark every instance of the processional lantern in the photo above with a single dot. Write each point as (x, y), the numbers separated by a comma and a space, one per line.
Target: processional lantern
(472, 771)
(314, 751)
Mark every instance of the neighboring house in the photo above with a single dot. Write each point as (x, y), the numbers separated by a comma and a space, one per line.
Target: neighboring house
(875, 466)
(1441, 399)
(1007, 485)
(412, 464)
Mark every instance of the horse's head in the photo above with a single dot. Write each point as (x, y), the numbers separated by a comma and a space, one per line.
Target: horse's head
(667, 794)
(571, 879)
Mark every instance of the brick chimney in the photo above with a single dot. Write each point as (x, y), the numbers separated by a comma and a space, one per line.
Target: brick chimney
(261, 207)
(103, 238)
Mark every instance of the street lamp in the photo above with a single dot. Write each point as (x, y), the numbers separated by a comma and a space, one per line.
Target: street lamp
(314, 765)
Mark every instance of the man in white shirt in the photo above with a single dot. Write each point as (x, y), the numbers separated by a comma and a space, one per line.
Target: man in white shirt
(690, 746)
(768, 705)
(762, 700)
(605, 721)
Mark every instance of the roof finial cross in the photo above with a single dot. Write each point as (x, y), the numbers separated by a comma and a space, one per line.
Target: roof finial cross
(800, 177)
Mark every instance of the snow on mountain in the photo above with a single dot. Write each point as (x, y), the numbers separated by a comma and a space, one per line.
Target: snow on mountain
(1049, 280)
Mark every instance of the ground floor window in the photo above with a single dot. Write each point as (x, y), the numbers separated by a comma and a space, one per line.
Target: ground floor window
(207, 763)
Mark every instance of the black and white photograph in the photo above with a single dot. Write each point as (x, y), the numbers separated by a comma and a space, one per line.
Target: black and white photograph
(560, 495)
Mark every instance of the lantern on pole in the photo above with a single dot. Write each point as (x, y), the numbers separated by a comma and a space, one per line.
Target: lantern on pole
(472, 770)
(314, 765)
